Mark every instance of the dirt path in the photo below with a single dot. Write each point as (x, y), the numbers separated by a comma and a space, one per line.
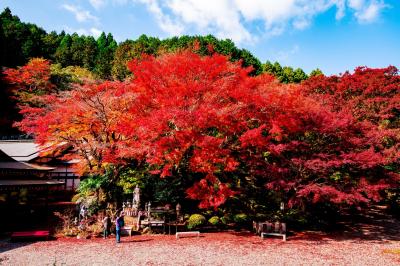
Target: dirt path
(369, 239)
(210, 249)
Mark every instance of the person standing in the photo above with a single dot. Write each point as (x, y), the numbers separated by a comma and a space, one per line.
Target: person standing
(106, 226)
(83, 212)
(119, 223)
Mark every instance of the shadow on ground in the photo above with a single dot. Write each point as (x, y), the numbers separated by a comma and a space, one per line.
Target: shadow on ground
(373, 224)
(6, 245)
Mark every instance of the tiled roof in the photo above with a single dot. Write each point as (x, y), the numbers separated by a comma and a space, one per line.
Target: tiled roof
(24, 166)
(30, 182)
(22, 151)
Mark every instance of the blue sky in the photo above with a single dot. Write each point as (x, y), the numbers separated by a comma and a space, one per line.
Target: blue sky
(333, 35)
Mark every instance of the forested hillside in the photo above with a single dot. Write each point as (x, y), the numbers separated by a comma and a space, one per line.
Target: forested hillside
(105, 57)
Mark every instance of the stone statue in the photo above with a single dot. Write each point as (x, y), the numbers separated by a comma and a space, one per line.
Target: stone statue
(136, 199)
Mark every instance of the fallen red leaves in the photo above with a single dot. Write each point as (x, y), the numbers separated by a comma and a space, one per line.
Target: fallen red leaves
(228, 248)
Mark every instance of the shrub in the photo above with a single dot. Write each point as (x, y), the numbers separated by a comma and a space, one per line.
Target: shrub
(195, 220)
(208, 213)
(95, 229)
(241, 218)
(70, 232)
(214, 220)
(83, 235)
(66, 223)
(225, 219)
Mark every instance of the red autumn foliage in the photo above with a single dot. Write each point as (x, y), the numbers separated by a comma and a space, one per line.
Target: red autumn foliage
(206, 117)
(33, 77)
(31, 86)
(368, 94)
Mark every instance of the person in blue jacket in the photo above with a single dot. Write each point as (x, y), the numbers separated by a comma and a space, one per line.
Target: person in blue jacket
(119, 223)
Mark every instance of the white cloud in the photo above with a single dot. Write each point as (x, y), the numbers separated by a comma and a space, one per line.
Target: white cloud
(283, 56)
(219, 17)
(340, 9)
(97, 4)
(231, 18)
(95, 32)
(81, 31)
(356, 4)
(81, 15)
(366, 13)
(164, 21)
(120, 2)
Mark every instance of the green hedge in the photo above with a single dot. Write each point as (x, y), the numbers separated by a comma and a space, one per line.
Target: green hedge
(214, 220)
(195, 220)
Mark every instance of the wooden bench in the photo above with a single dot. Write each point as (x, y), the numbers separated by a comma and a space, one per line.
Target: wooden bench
(270, 229)
(263, 235)
(187, 233)
(127, 230)
(30, 235)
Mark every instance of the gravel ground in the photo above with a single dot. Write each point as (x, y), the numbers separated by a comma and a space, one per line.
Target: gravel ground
(227, 248)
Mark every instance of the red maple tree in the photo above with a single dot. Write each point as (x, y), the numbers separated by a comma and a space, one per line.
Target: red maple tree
(205, 119)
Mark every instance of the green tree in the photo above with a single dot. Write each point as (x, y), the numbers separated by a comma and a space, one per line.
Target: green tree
(106, 46)
(299, 75)
(316, 72)
(63, 53)
(250, 60)
(50, 43)
(277, 70)
(89, 53)
(287, 75)
(284, 74)
(20, 41)
(77, 48)
(32, 43)
(65, 78)
(268, 67)
(147, 45)
(124, 52)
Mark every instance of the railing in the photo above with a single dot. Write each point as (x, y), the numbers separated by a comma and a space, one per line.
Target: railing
(17, 137)
(69, 175)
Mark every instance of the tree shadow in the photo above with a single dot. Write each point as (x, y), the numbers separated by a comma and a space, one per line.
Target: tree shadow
(241, 233)
(135, 240)
(373, 225)
(7, 245)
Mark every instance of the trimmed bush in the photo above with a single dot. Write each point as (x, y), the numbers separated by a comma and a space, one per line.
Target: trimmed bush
(214, 220)
(241, 218)
(195, 220)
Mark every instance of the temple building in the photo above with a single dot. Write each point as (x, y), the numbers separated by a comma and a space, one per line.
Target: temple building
(32, 179)
(24, 163)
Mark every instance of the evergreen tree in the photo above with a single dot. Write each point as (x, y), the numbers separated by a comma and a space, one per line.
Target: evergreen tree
(299, 75)
(20, 41)
(106, 46)
(277, 70)
(284, 74)
(124, 52)
(89, 53)
(63, 52)
(287, 75)
(316, 72)
(250, 60)
(77, 49)
(268, 67)
(50, 43)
